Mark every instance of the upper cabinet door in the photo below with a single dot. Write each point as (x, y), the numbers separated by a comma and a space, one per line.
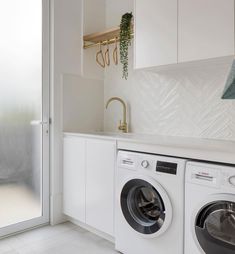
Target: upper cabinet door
(155, 33)
(206, 29)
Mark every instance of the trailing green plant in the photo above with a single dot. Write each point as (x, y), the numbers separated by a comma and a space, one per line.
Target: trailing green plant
(125, 41)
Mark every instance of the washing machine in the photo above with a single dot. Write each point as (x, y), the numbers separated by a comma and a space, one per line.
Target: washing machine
(149, 214)
(209, 209)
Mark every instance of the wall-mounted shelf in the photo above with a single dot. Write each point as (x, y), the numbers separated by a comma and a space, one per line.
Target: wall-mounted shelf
(108, 36)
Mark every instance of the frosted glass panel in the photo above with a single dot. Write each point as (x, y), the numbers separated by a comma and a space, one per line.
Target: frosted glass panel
(20, 104)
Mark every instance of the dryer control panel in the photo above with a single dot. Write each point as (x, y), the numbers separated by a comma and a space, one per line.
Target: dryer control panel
(211, 175)
(231, 180)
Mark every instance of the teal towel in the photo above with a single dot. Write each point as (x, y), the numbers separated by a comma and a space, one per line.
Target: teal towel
(229, 91)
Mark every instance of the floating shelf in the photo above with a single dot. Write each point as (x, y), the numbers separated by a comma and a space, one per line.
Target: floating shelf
(101, 36)
(108, 36)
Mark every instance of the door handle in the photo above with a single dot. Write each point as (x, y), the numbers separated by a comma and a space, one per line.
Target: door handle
(38, 122)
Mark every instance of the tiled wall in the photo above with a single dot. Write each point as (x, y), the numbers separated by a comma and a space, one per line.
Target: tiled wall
(183, 102)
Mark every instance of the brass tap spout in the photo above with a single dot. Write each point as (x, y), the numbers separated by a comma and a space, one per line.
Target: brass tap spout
(123, 124)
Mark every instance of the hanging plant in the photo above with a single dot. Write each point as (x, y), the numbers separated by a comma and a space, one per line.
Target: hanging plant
(125, 41)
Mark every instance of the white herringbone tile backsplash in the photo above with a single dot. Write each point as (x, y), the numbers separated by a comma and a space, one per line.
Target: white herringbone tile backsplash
(183, 102)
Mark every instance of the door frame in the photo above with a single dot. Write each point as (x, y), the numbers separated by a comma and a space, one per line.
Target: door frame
(45, 218)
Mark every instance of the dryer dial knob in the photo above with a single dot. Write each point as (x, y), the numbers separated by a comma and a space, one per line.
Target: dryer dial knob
(232, 180)
(145, 164)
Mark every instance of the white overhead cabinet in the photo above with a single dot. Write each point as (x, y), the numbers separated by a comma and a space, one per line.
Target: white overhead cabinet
(89, 166)
(177, 31)
(74, 178)
(155, 33)
(206, 29)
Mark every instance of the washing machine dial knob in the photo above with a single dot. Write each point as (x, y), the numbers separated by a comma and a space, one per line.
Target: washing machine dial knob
(145, 164)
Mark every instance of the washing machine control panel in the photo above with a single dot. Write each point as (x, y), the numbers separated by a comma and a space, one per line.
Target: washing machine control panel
(151, 164)
(155, 165)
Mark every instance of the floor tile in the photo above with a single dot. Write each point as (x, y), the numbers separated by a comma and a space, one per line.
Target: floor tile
(61, 239)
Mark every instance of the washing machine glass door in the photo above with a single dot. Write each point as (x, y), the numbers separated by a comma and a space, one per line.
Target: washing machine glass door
(215, 228)
(142, 206)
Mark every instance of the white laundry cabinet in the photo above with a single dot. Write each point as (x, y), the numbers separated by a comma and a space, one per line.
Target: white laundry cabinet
(169, 31)
(155, 33)
(74, 178)
(206, 29)
(89, 167)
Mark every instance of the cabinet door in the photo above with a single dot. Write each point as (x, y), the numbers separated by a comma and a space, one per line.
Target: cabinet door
(155, 33)
(100, 159)
(74, 177)
(206, 29)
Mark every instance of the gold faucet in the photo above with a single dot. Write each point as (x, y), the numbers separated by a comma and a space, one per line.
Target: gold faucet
(123, 124)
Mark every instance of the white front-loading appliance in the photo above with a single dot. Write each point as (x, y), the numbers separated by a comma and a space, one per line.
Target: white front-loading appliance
(209, 209)
(149, 212)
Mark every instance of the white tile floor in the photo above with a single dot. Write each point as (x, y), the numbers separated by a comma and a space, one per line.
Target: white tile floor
(61, 239)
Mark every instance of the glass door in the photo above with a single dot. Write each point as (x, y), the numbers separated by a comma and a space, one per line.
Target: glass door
(24, 114)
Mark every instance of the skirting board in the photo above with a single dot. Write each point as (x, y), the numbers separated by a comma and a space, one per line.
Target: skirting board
(91, 229)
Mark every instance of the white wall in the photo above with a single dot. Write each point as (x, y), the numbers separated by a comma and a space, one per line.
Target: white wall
(66, 47)
(94, 20)
(68, 64)
(115, 9)
(83, 94)
(82, 104)
(182, 102)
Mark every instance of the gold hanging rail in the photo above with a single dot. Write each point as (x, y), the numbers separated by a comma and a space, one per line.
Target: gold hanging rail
(88, 44)
(106, 37)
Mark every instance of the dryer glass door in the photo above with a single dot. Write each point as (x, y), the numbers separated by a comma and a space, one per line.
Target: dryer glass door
(142, 206)
(215, 228)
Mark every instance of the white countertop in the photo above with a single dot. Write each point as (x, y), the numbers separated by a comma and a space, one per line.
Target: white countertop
(193, 148)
